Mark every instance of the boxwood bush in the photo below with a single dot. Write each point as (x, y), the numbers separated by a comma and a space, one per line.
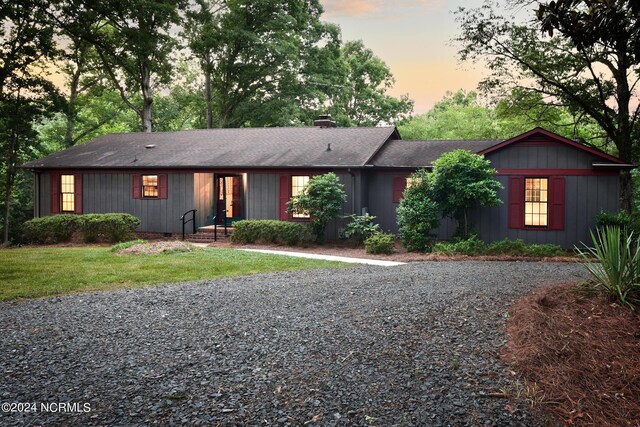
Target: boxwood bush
(270, 231)
(50, 229)
(113, 228)
(380, 243)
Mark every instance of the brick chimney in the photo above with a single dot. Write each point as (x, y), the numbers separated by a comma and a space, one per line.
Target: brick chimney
(324, 121)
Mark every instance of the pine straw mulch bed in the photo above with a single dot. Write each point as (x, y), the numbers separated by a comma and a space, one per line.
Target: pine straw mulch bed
(152, 248)
(578, 355)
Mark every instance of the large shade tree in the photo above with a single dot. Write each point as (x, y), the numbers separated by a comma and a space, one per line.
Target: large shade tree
(582, 54)
(254, 57)
(26, 44)
(133, 41)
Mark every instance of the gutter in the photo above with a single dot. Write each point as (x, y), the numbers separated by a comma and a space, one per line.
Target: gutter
(353, 197)
(613, 165)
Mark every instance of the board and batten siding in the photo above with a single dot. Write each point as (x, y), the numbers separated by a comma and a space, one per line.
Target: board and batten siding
(261, 196)
(263, 190)
(382, 206)
(585, 195)
(111, 193)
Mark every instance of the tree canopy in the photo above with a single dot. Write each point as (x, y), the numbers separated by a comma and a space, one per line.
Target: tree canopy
(463, 115)
(580, 54)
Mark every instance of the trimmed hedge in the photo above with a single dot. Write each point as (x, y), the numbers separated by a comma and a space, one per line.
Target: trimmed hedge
(270, 231)
(380, 243)
(112, 228)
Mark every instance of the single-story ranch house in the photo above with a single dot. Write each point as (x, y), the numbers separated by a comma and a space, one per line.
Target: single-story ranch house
(553, 186)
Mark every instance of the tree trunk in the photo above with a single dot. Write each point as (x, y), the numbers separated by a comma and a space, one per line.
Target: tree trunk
(8, 188)
(71, 109)
(626, 192)
(466, 224)
(147, 100)
(7, 206)
(207, 92)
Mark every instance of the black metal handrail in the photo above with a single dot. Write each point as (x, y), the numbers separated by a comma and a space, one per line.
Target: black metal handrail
(193, 219)
(215, 228)
(224, 221)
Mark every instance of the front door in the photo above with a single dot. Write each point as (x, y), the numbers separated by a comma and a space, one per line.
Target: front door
(228, 198)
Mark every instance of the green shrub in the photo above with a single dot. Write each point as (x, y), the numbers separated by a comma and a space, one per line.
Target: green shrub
(360, 227)
(93, 228)
(547, 250)
(475, 246)
(380, 243)
(270, 231)
(125, 245)
(616, 271)
(322, 198)
(50, 229)
(470, 246)
(418, 214)
(619, 219)
(112, 227)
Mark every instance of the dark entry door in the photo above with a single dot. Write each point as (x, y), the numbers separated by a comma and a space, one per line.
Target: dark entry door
(229, 194)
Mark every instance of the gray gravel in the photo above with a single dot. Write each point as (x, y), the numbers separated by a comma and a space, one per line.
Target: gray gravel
(410, 345)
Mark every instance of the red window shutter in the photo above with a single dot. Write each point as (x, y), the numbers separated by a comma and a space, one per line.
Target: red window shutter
(399, 184)
(516, 202)
(77, 193)
(55, 192)
(136, 186)
(556, 203)
(162, 186)
(284, 196)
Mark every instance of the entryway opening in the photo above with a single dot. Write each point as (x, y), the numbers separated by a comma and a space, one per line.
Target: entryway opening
(229, 195)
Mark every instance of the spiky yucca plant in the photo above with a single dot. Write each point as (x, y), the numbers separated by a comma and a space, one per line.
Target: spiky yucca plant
(614, 263)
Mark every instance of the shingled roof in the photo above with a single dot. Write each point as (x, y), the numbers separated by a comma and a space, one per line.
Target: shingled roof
(226, 148)
(404, 153)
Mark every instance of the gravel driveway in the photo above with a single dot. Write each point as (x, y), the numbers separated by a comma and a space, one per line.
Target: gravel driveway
(409, 345)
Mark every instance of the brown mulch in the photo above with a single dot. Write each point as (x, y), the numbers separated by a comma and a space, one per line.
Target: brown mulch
(348, 249)
(582, 351)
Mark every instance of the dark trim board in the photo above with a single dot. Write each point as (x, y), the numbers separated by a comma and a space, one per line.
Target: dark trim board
(565, 172)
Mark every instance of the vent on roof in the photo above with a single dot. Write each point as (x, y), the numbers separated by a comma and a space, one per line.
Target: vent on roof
(150, 146)
(324, 122)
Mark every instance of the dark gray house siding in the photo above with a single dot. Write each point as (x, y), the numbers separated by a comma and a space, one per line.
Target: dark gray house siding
(106, 192)
(585, 197)
(262, 196)
(587, 192)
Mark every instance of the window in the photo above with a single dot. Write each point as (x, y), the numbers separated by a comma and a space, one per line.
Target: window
(413, 181)
(67, 195)
(298, 182)
(150, 186)
(536, 202)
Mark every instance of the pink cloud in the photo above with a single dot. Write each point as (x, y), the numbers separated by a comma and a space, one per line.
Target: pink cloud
(369, 7)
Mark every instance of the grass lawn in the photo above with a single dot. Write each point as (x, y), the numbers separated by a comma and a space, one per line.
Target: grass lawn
(46, 271)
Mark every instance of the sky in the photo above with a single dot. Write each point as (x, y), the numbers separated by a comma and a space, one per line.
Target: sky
(415, 39)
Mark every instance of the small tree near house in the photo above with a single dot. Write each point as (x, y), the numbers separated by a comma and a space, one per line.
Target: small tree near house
(461, 181)
(322, 199)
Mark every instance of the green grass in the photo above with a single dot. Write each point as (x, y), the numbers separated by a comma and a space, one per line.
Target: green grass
(47, 271)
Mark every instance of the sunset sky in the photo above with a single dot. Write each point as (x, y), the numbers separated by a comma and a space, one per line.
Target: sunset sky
(414, 38)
